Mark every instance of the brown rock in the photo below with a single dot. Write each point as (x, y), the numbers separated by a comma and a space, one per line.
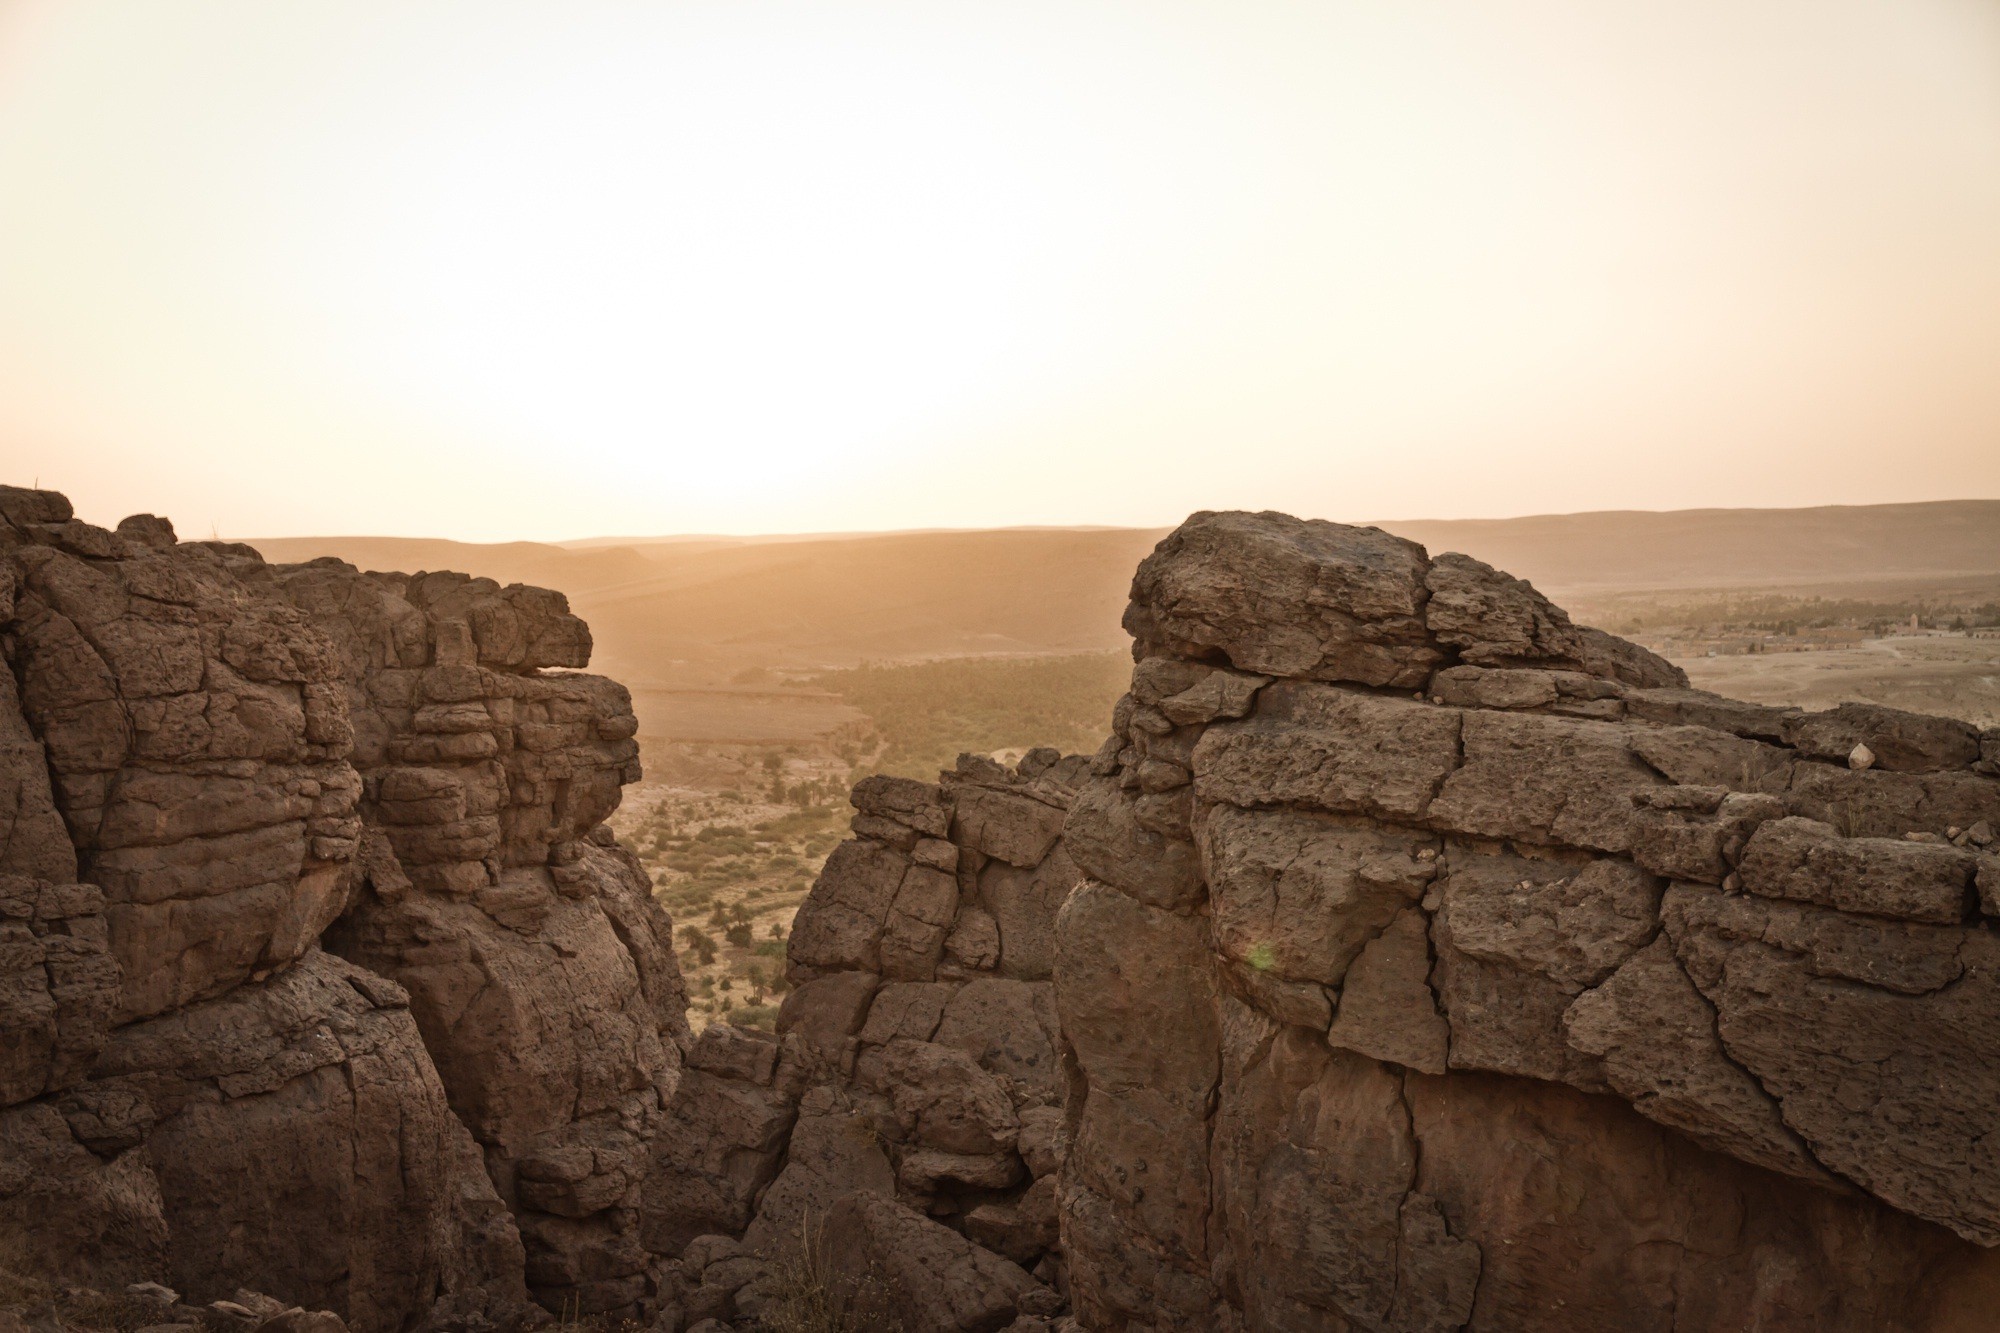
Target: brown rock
(1109, 841)
(827, 1013)
(1901, 742)
(723, 1144)
(1494, 619)
(921, 916)
(835, 1152)
(1023, 905)
(1783, 1065)
(1588, 1217)
(915, 805)
(1807, 861)
(1010, 1028)
(1850, 1063)
(945, 1100)
(1657, 1038)
(1317, 1175)
(1555, 781)
(1329, 749)
(910, 1009)
(1387, 1010)
(1300, 895)
(925, 1276)
(299, 1134)
(1283, 597)
(68, 1214)
(1009, 826)
(840, 923)
(58, 985)
(1021, 1231)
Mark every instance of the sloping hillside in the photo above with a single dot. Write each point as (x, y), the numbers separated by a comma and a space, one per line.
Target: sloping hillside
(538, 563)
(659, 606)
(898, 595)
(1728, 547)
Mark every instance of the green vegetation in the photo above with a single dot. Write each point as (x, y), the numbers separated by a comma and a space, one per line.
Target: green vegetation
(732, 866)
(732, 872)
(928, 713)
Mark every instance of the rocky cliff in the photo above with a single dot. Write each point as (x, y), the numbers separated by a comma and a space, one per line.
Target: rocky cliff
(1443, 965)
(1409, 958)
(319, 972)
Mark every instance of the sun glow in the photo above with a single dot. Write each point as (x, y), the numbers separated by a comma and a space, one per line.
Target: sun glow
(529, 270)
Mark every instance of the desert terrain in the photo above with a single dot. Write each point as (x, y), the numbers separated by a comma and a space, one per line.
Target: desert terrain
(769, 673)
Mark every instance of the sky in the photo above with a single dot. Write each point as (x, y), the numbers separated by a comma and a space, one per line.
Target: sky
(501, 271)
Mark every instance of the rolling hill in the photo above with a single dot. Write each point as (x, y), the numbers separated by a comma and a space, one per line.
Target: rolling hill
(689, 608)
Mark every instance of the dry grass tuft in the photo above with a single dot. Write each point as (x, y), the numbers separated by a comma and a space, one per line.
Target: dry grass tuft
(805, 1297)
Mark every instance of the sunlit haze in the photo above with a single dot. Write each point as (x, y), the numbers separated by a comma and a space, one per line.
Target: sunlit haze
(496, 271)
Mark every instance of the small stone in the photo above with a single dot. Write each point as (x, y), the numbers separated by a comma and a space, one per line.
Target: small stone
(1860, 757)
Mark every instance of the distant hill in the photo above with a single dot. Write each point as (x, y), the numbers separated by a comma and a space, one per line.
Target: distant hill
(844, 598)
(538, 563)
(1728, 547)
(901, 595)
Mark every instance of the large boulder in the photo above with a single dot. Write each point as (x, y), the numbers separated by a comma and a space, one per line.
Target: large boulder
(1493, 979)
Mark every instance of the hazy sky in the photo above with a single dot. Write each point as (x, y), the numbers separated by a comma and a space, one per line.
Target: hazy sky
(493, 270)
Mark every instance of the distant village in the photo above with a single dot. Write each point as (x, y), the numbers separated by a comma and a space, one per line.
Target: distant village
(1725, 635)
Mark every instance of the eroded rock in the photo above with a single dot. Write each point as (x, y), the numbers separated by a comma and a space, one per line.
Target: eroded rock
(1554, 995)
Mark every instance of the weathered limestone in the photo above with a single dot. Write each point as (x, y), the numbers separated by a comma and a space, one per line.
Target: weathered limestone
(539, 968)
(1408, 958)
(1452, 966)
(196, 750)
(208, 767)
(903, 1133)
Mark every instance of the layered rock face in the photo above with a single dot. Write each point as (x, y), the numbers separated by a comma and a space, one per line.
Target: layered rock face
(902, 1133)
(1442, 965)
(1408, 959)
(302, 873)
(538, 966)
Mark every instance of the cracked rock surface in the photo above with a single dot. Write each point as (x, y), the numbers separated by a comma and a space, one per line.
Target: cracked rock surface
(320, 975)
(1440, 964)
(903, 1129)
(1408, 958)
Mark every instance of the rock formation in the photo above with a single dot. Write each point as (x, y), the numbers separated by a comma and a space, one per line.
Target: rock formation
(902, 1133)
(538, 967)
(321, 976)
(1408, 959)
(1443, 965)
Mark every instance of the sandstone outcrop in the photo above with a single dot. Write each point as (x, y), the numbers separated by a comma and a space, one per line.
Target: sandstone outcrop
(901, 1134)
(1409, 958)
(320, 974)
(538, 966)
(1440, 964)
